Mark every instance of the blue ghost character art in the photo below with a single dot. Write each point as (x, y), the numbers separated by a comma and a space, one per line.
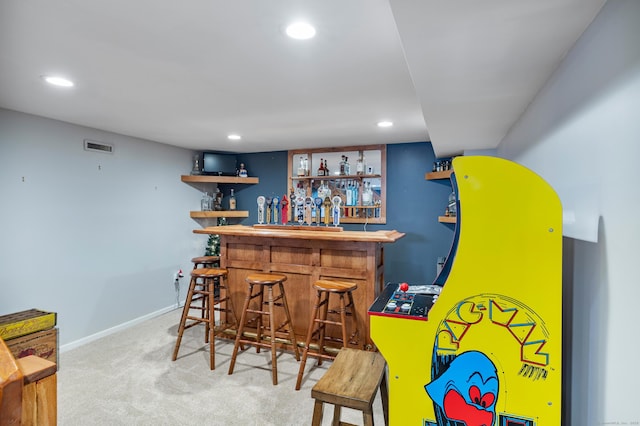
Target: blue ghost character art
(467, 391)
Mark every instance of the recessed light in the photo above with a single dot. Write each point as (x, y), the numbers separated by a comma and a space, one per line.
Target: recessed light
(385, 124)
(57, 81)
(301, 31)
(234, 137)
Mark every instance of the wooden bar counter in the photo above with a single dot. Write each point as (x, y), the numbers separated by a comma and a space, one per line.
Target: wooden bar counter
(305, 255)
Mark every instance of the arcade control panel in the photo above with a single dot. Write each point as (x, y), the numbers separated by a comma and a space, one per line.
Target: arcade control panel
(406, 301)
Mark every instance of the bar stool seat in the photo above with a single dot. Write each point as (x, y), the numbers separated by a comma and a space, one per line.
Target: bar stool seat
(260, 282)
(316, 334)
(206, 286)
(206, 262)
(352, 381)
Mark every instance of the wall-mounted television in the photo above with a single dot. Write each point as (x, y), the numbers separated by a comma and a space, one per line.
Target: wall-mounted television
(219, 164)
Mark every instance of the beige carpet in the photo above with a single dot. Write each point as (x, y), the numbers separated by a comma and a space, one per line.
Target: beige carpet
(128, 378)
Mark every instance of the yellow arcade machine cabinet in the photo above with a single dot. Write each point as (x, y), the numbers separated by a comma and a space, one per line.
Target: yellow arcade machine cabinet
(482, 345)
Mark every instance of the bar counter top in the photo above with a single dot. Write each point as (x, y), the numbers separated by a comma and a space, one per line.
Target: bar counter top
(304, 232)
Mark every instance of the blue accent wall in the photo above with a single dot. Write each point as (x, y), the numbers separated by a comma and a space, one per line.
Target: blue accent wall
(413, 207)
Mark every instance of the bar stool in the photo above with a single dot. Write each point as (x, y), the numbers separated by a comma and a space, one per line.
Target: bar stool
(206, 262)
(319, 321)
(259, 281)
(202, 288)
(352, 381)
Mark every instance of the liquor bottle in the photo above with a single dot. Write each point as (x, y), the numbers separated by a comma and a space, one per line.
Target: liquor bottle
(205, 203)
(347, 167)
(321, 168)
(326, 169)
(301, 169)
(360, 168)
(342, 161)
(367, 195)
(232, 200)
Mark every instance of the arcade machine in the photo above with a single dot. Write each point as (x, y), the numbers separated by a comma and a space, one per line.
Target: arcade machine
(482, 344)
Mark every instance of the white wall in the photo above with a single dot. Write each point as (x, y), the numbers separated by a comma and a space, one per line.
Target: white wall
(582, 134)
(94, 237)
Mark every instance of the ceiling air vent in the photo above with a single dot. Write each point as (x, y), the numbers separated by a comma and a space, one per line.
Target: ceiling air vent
(94, 146)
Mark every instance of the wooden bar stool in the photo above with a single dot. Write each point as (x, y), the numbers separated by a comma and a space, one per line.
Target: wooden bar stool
(320, 320)
(259, 282)
(203, 288)
(352, 381)
(206, 262)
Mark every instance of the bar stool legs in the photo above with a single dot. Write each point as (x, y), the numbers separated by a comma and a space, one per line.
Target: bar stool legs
(319, 321)
(265, 282)
(202, 288)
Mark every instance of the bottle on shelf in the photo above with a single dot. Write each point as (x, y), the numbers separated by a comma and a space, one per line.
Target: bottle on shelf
(347, 167)
(321, 168)
(360, 166)
(217, 201)
(367, 195)
(205, 202)
(232, 200)
(342, 166)
(326, 169)
(301, 168)
(451, 207)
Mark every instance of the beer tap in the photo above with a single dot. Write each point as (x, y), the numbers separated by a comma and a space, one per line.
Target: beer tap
(261, 201)
(327, 210)
(268, 201)
(276, 210)
(336, 201)
(285, 209)
(308, 203)
(300, 209)
(318, 202)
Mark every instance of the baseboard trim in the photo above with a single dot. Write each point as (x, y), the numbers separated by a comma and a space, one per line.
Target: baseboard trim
(119, 327)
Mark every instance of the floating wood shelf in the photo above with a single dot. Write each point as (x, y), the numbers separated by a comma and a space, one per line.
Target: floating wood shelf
(446, 174)
(447, 219)
(218, 179)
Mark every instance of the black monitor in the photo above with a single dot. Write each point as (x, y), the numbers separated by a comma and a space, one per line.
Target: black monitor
(218, 164)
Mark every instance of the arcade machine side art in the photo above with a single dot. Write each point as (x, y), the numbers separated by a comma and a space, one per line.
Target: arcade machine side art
(487, 349)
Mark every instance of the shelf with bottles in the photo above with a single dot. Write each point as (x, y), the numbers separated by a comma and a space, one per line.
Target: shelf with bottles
(356, 174)
(214, 203)
(442, 170)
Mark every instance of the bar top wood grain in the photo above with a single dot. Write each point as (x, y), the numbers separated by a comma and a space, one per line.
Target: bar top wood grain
(381, 236)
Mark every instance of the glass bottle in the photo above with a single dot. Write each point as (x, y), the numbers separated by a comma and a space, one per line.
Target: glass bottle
(367, 194)
(232, 200)
(321, 168)
(347, 167)
(205, 202)
(342, 172)
(217, 200)
(452, 207)
(326, 169)
(360, 165)
(301, 169)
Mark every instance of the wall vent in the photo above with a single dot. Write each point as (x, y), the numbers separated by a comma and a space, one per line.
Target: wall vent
(94, 146)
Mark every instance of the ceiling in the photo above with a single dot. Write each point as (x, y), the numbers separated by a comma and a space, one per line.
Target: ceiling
(458, 73)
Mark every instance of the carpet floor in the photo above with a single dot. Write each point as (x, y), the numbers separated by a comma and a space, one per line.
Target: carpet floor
(128, 378)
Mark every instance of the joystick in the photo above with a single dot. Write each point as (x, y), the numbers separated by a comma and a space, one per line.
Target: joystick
(404, 287)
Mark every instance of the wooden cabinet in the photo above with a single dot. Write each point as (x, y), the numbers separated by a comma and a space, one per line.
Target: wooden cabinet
(445, 174)
(204, 184)
(361, 185)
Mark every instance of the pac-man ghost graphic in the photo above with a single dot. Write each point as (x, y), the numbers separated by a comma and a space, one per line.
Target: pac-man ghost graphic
(467, 391)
